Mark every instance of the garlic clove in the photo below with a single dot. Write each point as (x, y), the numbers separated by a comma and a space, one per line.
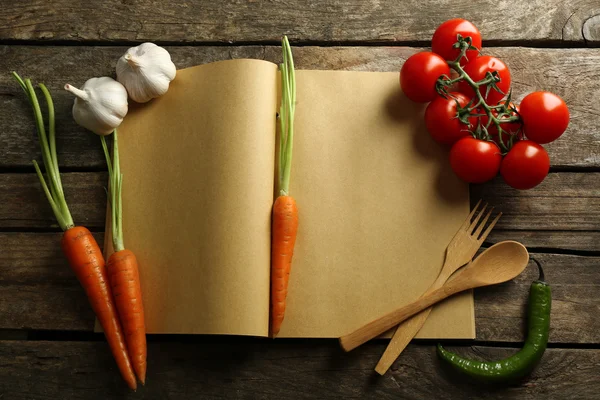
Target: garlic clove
(146, 71)
(100, 105)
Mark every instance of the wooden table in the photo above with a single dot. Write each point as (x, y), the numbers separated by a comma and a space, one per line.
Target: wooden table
(47, 348)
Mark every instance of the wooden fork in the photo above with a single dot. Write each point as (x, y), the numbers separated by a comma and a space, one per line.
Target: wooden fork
(459, 252)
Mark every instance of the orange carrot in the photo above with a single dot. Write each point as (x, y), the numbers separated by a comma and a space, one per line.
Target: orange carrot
(284, 230)
(78, 244)
(123, 272)
(285, 212)
(86, 260)
(124, 280)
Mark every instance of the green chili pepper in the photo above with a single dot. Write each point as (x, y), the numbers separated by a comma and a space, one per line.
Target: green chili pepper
(522, 363)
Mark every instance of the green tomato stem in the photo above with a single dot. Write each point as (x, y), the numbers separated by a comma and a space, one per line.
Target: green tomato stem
(481, 103)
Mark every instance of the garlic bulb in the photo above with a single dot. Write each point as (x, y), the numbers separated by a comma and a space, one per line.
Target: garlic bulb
(146, 71)
(100, 105)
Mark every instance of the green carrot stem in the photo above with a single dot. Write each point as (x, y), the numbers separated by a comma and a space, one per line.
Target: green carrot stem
(106, 155)
(115, 183)
(282, 129)
(51, 129)
(39, 121)
(53, 189)
(55, 208)
(288, 106)
(119, 245)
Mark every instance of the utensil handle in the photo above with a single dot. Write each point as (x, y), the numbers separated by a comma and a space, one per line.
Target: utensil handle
(388, 321)
(407, 330)
(404, 334)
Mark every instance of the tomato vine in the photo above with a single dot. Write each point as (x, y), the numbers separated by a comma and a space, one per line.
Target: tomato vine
(497, 115)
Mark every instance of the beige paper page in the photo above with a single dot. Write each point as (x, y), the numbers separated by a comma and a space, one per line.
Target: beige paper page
(378, 205)
(198, 181)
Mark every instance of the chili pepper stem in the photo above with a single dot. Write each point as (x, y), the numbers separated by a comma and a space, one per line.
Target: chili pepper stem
(541, 277)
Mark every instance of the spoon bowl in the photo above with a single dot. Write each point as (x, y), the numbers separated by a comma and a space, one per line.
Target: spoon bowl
(500, 263)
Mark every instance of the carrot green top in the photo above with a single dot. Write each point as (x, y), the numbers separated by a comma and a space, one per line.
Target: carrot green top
(53, 189)
(286, 115)
(115, 179)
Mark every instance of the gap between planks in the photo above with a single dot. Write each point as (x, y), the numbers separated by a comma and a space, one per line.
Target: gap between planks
(89, 336)
(540, 44)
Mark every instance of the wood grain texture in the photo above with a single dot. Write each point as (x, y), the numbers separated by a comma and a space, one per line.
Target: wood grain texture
(563, 201)
(24, 204)
(43, 291)
(226, 368)
(200, 21)
(557, 240)
(571, 73)
(45, 295)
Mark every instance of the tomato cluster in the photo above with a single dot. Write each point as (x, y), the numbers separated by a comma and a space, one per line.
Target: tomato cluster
(470, 109)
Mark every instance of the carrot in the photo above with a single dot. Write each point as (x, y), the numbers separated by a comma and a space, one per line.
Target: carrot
(79, 246)
(285, 212)
(123, 272)
(86, 260)
(285, 228)
(125, 283)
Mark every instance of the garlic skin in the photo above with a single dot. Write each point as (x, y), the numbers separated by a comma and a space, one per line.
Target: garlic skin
(146, 71)
(100, 105)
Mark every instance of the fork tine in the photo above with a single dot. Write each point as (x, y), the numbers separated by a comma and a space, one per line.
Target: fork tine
(465, 224)
(489, 229)
(477, 218)
(482, 224)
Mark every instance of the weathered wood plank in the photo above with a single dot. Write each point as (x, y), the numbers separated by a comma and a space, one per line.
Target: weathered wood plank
(575, 282)
(563, 201)
(241, 368)
(44, 294)
(578, 194)
(571, 73)
(562, 240)
(40, 290)
(198, 21)
(25, 204)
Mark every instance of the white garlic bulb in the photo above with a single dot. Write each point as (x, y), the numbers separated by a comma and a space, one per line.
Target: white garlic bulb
(100, 105)
(146, 71)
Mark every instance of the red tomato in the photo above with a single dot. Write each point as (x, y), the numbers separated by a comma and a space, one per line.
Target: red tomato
(526, 165)
(477, 70)
(446, 35)
(419, 75)
(509, 128)
(545, 116)
(441, 120)
(474, 160)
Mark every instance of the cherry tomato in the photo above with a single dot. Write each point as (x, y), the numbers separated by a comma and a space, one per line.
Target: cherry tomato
(477, 70)
(474, 160)
(545, 116)
(446, 35)
(441, 120)
(526, 165)
(509, 128)
(419, 75)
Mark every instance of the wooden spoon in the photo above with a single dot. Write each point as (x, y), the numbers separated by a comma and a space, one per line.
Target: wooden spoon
(500, 263)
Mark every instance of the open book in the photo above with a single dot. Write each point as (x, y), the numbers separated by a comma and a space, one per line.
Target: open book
(377, 203)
